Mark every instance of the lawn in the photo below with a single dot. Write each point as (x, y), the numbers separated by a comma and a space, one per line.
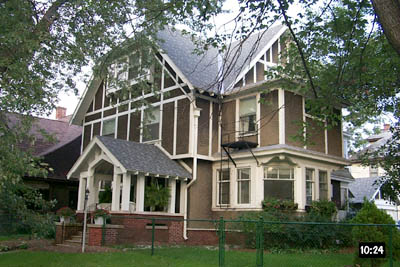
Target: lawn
(169, 257)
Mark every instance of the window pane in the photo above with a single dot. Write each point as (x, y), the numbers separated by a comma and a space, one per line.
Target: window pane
(151, 124)
(244, 192)
(309, 189)
(225, 175)
(244, 174)
(309, 175)
(271, 173)
(108, 127)
(323, 185)
(278, 189)
(284, 174)
(247, 106)
(224, 193)
(134, 64)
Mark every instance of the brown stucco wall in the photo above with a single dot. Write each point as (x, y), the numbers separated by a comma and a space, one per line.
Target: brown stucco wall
(96, 129)
(98, 103)
(316, 135)
(93, 117)
(269, 128)
(172, 93)
(182, 146)
(86, 135)
(203, 126)
(293, 118)
(168, 127)
(260, 71)
(228, 121)
(215, 136)
(109, 112)
(200, 194)
(335, 141)
(122, 132)
(249, 77)
(134, 131)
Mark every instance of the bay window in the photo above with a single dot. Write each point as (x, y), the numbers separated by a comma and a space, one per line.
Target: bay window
(279, 182)
(243, 186)
(247, 115)
(309, 186)
(323, 185)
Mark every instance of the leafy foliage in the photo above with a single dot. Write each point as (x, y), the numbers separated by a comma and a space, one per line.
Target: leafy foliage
(156, 196)
(273, 204)
(370, 214)
(65, 212)
(323, 208)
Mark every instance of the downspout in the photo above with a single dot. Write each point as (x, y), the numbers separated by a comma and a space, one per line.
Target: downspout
(196, 115)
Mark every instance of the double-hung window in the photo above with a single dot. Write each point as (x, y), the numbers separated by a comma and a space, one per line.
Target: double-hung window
(108, 128)
(151, 124)
(243, 186)
(309, 186)
(323, 185)
(223, 187)
(279, 182)
(247, 115)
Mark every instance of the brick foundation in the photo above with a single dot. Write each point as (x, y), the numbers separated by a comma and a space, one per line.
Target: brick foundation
(111, 234)
(65, 230)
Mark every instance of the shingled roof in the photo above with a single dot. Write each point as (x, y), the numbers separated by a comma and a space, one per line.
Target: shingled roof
(363, 187)
(141, 157)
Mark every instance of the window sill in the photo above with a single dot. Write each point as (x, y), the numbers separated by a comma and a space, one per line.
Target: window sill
(152, 142)
(247, 134)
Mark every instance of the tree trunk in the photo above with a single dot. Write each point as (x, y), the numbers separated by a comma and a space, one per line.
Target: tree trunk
(388, 12)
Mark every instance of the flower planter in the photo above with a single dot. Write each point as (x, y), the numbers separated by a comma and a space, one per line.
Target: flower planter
(99, 220)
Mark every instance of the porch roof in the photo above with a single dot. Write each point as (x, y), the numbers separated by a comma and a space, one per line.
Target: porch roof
(141, 157)
(134, 157)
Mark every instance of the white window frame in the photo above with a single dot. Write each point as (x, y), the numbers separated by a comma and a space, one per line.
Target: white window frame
(123, 68)
(240, 180)
(219, 184)
(147, 124)
(326, 183)
(312, 182)
(242, 132)
(278, 168)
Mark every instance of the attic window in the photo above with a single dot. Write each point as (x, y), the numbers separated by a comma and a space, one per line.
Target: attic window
(108, 128)
(126, 69)
(151, 124)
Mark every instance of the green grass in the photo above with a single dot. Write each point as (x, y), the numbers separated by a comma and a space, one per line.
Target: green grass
(170, 257)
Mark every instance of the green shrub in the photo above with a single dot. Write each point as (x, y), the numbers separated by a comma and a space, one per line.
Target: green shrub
(273, 204)
(323, 208)
(370, 214)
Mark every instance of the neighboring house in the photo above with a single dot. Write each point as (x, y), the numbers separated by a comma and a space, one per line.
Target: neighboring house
(367, 188)
(357, 169)
(59, 152)
(220, 153)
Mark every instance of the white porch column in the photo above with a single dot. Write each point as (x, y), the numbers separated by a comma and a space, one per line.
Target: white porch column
(172, 199)
(81, 193)
(116, 191)
(300, 187)
(126, 191)
(91, 187)
(182, 204)
(140, 192)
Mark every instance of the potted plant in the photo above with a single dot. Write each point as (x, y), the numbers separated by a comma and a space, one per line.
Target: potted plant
(156, 196)
(65, 214)
(100, 216)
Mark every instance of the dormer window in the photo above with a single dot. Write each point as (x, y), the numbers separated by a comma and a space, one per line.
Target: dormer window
(247, 115)
(151, 124)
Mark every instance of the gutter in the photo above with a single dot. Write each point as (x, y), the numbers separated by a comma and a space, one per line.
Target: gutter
(196, 115)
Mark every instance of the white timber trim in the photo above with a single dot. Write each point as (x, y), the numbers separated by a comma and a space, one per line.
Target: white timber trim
(258, 118)
(210, 123)
(175, 126)
(281, 106)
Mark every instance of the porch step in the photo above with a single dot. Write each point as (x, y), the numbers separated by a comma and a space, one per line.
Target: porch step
(74, 242)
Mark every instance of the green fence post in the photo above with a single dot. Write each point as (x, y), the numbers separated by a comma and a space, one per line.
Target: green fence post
(152, 236)
(260, 242)
(221, 242)
(391, 246)
(103, 232)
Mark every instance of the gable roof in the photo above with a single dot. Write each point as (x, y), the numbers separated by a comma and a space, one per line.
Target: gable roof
(342, 175)
(376, 142)
(61, 131)
(200, 71)
(134, 157)
(363, 187)
(141, 157)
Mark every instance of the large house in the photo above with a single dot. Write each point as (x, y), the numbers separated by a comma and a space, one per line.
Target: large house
(59, 147)
(217, 147)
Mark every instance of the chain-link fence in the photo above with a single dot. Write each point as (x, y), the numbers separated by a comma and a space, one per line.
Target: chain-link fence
(265, 243)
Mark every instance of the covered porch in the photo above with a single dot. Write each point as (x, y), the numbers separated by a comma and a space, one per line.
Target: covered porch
(129, 170)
